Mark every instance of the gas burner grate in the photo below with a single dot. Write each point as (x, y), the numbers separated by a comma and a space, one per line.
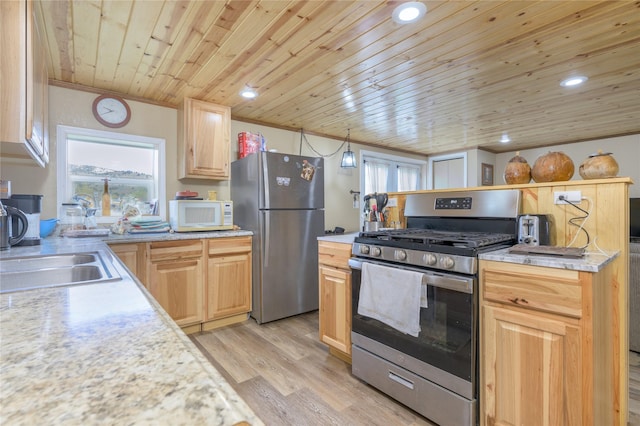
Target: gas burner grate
(429, 237)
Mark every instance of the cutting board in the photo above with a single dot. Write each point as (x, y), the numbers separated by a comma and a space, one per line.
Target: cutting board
(569, 252)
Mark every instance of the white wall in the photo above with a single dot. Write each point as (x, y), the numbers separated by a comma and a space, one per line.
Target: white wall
(73, 108)
(339, 209)
(625, 150)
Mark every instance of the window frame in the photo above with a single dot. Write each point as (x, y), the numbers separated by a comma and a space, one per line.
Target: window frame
(62, 135)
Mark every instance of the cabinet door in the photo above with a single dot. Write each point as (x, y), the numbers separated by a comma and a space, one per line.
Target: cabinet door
(228, 290)
(532, 366)
(177, 286)
(24, 88)
(37, 89)
(335, 308)
(133, 257)
(207, 134)
(128, 254)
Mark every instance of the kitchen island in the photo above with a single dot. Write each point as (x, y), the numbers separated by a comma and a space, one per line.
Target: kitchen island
(547, 340)
(103, 353)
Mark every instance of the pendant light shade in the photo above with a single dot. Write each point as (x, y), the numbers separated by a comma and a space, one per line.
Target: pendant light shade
(348, 157)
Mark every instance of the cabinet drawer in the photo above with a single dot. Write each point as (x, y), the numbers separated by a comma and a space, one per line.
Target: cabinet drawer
(220, 246)
(334, 254)
(168, 250)
(552, 290)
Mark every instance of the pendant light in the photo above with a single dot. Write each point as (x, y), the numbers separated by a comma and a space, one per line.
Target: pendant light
(348, 157)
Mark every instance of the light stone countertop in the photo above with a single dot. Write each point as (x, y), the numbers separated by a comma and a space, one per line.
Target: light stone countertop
(167, 236)
(346, 238)
(103, 353)
(591, 262)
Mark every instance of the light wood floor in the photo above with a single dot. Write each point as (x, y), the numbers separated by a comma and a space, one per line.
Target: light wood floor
(287, 377)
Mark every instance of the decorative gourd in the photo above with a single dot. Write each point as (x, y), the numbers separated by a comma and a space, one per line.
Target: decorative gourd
(552, 167)
(599, 166)
(517, 170)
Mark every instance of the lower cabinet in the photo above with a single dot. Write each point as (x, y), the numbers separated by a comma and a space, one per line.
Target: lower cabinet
(335, 297)
(545, 346)
(201, 283)
(175, 277)
(228, 283)
(133, 256)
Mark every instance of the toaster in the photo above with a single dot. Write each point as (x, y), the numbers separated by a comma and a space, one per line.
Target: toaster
(535, 229)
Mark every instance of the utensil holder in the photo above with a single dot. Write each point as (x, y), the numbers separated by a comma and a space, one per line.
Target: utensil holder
(372, 226)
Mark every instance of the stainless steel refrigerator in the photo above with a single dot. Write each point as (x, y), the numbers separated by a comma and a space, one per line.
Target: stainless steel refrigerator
(280, 197)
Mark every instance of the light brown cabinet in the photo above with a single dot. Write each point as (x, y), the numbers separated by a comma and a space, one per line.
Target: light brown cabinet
(204, 131)
(335, 297)
(228, 283)
(202, 284)
(175, 279)
(134, 258)
(546, 350)
(24, 87)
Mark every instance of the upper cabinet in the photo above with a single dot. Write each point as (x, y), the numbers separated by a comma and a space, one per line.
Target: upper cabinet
(204, 135)
(24, 87)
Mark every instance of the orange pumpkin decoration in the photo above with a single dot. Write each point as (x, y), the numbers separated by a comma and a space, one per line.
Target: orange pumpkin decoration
(517, 170)
(552, 167)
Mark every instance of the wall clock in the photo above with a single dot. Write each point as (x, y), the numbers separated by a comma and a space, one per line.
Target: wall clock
(111, 111)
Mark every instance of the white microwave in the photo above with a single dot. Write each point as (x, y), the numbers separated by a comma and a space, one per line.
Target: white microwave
(200, 215)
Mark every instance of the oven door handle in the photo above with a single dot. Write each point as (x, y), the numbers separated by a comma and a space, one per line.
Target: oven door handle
(449, 282)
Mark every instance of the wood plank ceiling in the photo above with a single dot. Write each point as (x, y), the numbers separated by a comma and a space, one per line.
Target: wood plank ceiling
(457, 79)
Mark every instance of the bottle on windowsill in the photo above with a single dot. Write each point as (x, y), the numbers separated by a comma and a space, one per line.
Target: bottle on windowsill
(106, 199)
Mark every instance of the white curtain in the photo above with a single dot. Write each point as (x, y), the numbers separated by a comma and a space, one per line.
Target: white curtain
(376, 176)
(408, 178)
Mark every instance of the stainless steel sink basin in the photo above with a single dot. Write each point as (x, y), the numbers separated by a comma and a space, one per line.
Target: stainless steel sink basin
(44, 262)
(25, 273)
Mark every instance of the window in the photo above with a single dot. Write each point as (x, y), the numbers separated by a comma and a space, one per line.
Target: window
(387, 173)
(133, 165)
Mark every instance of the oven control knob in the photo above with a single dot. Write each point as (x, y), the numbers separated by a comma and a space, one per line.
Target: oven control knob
(375, 251)
(401, 255)
(364, 249)
(446, 262)
(430, 259)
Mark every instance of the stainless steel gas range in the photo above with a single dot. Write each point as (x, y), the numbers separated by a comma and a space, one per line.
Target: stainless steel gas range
(415, 300)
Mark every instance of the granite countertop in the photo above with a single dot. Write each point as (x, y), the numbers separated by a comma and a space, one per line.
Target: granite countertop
(346, 238)
(591, 262)
(168, 236)
(103, 353)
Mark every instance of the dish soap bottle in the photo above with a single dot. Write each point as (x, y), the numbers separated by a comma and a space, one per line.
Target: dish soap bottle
(106, 199)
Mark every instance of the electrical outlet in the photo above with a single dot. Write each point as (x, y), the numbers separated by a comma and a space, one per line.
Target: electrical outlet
(572, 196)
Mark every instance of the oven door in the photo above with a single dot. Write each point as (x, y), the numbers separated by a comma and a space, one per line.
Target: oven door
(445, 350)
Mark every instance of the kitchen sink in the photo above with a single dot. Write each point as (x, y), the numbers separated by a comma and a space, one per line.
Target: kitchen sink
(26, 273)
(44, 262)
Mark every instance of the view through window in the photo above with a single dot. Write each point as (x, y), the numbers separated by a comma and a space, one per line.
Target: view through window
(132, 165)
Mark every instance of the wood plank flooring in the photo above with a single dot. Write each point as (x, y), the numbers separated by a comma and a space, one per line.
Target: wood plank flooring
(634, 388)
(286, 375)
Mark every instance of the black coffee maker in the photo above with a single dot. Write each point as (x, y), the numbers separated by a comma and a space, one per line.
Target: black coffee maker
(30, 205)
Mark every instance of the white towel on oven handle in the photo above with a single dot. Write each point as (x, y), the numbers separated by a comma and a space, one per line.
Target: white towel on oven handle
(392, 296)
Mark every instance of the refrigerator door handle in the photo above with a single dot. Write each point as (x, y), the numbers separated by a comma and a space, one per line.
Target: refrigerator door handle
(266, 237)
(265, 202)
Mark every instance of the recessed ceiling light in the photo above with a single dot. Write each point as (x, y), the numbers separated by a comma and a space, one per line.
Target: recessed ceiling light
(573, 81)
(248, 93)
(409, 12)
(505, 138)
